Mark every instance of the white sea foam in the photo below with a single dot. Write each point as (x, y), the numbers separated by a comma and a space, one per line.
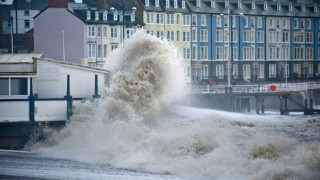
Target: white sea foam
(135, 127)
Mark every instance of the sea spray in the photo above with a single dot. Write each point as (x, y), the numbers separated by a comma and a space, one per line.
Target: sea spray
(135, 127)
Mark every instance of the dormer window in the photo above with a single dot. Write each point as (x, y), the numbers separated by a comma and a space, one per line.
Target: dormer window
(290, 7)
(133, 17)
(226, 4)
(88, 15)
(315, 8)
(303, 8)
(183, 5)
(121, 17)
(156, 3)
(265, 6)
(253, 4)
(105, 15)
(278, 7)
(213, 4)
(175, 4)
(96, 14)
(198, 3)
(239, 5)
(115, 16)
(147, 2)
(167, 3)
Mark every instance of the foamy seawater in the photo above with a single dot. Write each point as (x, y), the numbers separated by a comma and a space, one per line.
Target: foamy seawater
(136, 127)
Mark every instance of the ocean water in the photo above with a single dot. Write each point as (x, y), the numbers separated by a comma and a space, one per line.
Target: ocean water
(138, 127)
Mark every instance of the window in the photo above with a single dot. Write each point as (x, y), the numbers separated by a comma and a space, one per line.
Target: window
(274, 36)
(246, 71)
(115, 16)
(239, 5)
(252, 22)
(150, 32)
(99, 50)
(286, 70)
(271, 22)
(274, 53)
(246, 22)
(178, 35)
(296, 26)
(315, 8)
(170, 35)
(303, 8)
(310, 69)
(175, 4)
(233, 18)
(298, 53)
(13, 86)
(178, 19)
(290, 7)
(26, 13)
(309, 51)
(226, 21)
(96, 14)
(91, 31)
(226, 35)
(186, 20)
(234, 35)
(219, 53)
(261, 71)
(260, 36)
(198, 3)
(99, 32)
(105, 15)
(272, 70)
(157, 3)
(104, 32)
(220, 71)
(203, 20)
(285, 53)
(186, 36)
(114, 32)
(204, 71)
(285, 36)
(278, 7)
(183, 5)
(252, 53)
(150, 18)
(114, 47)
(298, 36)
(186, 53)
(234, 53)
(297, 69)
(309, 37)
(219, 36)
(219, 21)
(246, 36)
(204, 52)
(259, 22)
(147, 2)
(91, 50)
(204, 35)
(167, 3)
(246, 53)
(170, 19)
(284, 23)
(194, 20)
(235, 71)
(104, 51)
(253, 5)
(308, 24)
(26, 23)
(260, 53)
(88, 14)
(213, 4)
(160, 18)
(194, 34)
(302, 23)
(265, 6)
(194, 51)
(160, 34)
(252, 36)
(278, 23)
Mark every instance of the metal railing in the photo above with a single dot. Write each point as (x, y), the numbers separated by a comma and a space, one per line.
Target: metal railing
(255, 88)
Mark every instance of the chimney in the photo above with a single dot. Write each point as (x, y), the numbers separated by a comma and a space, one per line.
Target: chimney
(58, 3)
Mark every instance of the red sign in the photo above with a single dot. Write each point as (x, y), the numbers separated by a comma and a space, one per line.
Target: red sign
(273, 87)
